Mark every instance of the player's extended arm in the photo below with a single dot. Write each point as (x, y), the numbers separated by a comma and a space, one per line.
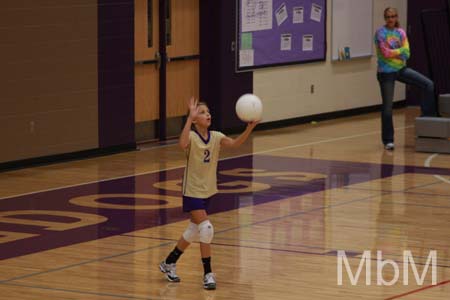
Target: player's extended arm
(230, 142)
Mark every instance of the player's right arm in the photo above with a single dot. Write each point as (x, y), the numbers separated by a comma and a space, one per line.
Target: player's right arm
(193, 112)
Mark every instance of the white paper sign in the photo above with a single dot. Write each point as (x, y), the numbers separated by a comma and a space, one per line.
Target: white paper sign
(256, 15)
(281, 14)
(316, 12)
(308, 42)
(246, 58)
(297, 15)
(286, 42)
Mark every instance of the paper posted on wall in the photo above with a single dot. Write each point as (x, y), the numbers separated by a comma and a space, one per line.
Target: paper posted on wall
(316, 12)
(281, 14)
(297, 15)
(256, 15)
(286, 42)
(308, 42)
(246, 58)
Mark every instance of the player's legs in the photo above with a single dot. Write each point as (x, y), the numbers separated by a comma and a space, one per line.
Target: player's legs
(168, 266)
(206, 233)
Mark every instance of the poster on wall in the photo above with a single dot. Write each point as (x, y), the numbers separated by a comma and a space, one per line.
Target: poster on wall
(279, 32)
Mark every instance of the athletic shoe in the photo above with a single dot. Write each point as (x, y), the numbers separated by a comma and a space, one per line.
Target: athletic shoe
(209, 281)
(170, 271)
(389, 146)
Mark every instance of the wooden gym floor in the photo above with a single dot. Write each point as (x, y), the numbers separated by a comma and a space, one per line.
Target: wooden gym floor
(289, 200)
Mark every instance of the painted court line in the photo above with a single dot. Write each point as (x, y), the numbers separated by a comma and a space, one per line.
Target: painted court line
(273, 243)
(323, 253)
(418, 290)
(228, 239)
(274, 249)
(428, 165)
(418, 205)
(83, 263)
(405, 191)
(395, 192)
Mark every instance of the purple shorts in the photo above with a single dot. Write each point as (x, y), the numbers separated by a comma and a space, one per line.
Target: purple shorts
(191, 203)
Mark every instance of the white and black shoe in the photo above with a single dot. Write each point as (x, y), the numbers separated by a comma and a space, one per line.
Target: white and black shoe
(389, 146)
(209, 281)
(170, 271)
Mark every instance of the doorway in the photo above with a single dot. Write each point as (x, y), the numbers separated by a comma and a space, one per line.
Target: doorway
(167, 58)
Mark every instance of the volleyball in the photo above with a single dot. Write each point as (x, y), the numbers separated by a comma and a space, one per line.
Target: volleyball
(249, 108)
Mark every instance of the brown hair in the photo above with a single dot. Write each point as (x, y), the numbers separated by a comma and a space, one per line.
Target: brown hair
(392, 10)
(202, 103)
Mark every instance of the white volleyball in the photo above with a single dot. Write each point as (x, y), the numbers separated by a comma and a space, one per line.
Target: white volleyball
(249, 108)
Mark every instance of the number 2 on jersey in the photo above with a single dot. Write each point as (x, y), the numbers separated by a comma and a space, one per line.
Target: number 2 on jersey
(206, 159)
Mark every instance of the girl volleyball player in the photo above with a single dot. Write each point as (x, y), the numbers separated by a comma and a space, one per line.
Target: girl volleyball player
(199, 185)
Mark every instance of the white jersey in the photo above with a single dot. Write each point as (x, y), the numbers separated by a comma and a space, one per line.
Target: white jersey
(200, 175)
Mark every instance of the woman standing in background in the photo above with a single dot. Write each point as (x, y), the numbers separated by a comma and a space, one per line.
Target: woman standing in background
(393, 52)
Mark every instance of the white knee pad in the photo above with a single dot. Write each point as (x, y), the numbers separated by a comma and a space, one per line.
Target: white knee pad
(191, 232)
(206, 231)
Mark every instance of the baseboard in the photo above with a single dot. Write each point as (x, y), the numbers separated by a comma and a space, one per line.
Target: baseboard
(317, 117)
(57, 158)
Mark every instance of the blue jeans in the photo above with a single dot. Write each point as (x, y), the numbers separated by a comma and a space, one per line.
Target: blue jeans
(387, 84)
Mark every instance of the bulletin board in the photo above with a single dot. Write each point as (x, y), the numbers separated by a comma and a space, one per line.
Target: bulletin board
(351, 29)
(279, 32)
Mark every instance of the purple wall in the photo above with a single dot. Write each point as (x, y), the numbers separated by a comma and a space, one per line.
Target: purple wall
(418, 60)
(116, 72)
(437, 38)
(220, 85)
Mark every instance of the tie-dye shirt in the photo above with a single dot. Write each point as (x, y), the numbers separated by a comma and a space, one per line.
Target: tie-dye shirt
(392, 49)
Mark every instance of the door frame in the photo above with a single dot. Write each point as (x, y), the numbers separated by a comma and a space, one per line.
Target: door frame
(168, 15)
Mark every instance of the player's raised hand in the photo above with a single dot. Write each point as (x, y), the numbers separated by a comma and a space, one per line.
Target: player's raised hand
(193, 108)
